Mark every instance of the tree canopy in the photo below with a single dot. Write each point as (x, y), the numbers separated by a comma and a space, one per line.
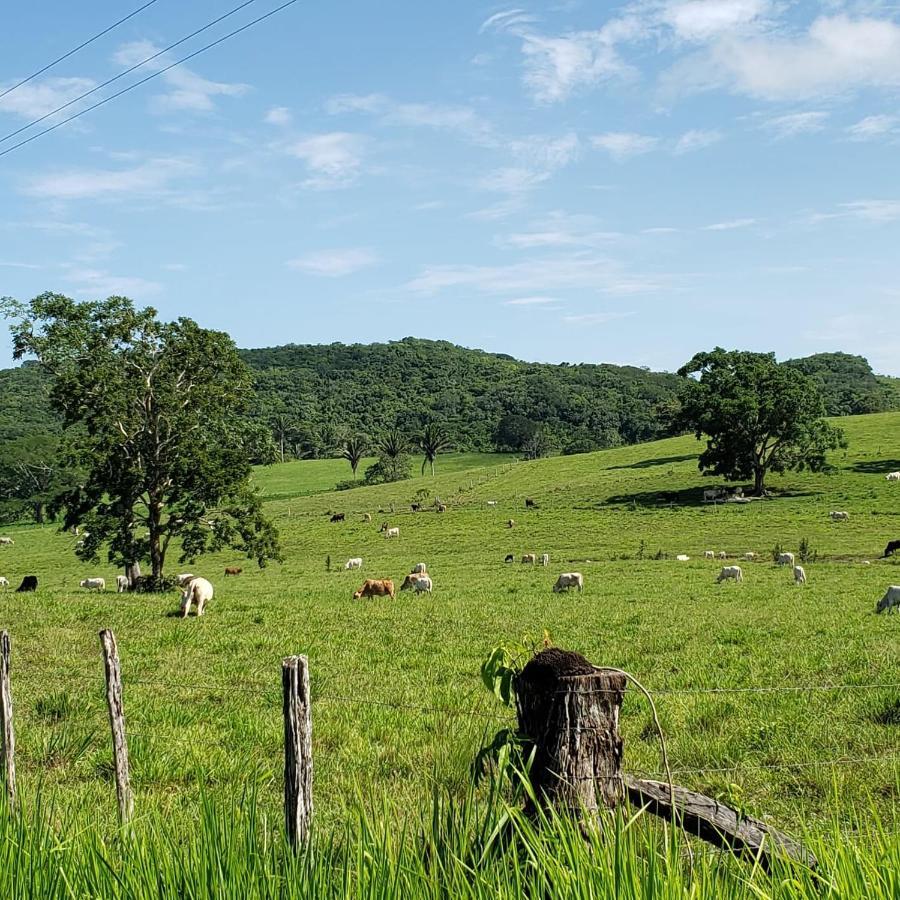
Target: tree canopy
(758, 416)
(157, 417)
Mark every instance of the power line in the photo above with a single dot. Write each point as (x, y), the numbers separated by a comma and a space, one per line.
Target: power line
(74, 50)
(125, 72)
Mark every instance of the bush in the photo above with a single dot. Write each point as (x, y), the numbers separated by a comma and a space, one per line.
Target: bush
(387, 470)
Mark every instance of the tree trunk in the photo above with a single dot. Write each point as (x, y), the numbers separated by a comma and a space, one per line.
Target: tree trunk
(759, 482)
(157, 555)
(133, 572)
(39, 513)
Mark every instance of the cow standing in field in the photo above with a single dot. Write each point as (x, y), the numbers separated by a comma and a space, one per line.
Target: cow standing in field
(121, 584)
(376, 588)
(891, 549)
(353, 563)
(198, 591)
(893, 476)
(723, 554)
(509, 558)
(839, 516)
(709, 554)
(530, 504)
(421, 584)
(233, 570)
(545, 559)
(749, 556)
(338, 517)
(733, 573)
(3, 582)
(419, 569)
(799, 575)
(6, 541)
(785, 559)
(29, 583)
(569, 580)
(528, 559)
(93, 584)
(890, 600)
(392, 533)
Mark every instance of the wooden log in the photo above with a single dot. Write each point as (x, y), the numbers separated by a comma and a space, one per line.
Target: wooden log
(117, 724)
(297, 749)
(568, 713)
(7, 735)
(716, 823)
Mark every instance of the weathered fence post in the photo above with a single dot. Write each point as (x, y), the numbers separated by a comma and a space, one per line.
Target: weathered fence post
(297, 748)
(7, 735)
(117, 724)
(568, 712)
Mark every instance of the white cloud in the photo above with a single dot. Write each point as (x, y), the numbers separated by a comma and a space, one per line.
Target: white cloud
(794, 124)
(334, 159)
(560, 230)
(335, 263)
(278, 115)
(38, 98)
(545, 276)
(532, 301)
(622, 144)
(836, 54)
(595, 318)
(696, 139)
(701, 20)
(187, 89)
(513, 180)
(549, 153)
(4, 264)
(99, 283)
(874, 210)
(873, 127)
(151, 178)
(730, 225)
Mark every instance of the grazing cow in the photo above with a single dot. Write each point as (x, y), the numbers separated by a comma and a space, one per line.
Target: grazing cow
(799, 575)
(185, 579)
(442, 507)
(374, 587)
(891, 549)
(421, 584)
(730, 572)
(839, 516)
(545, 559)
(6, 541)
(415, 507)
(528, 558)
(749, 556)
(121, 584)
(509, 558)
(392, 533)
(723, 554)
(709, 554)
(710, 495)
(3, 582)
(682, 557)
(233, 570)
(785, 559)
(354, 563)
(419, 569)
(94, 584)
(198, 591)
(29, 583)
(338, 517)
(511, 523)
(530, 504)
(569, 580)
(491, 502)
(367, 517)
(890, 600)
(893, 476)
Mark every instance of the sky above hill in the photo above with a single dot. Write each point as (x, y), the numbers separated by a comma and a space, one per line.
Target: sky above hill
(562, 181)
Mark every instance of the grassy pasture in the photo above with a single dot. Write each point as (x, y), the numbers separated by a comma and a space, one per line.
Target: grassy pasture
(398, 705)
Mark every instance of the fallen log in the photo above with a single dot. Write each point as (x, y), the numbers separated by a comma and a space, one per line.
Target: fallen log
(703, 817)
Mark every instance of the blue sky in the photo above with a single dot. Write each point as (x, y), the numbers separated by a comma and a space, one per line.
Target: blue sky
(560, 181)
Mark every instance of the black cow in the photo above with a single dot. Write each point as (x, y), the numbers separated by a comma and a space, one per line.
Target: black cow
(29, 583)
(892, 548)
(509, 558)
(530, 504)
(338, 517)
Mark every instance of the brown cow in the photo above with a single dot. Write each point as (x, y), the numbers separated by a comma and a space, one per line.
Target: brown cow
(233, 570)
(376, 588)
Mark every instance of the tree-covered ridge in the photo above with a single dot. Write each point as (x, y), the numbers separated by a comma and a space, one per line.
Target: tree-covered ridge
(847, 384)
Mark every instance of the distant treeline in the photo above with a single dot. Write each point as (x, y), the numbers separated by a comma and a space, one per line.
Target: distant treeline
(313, 397)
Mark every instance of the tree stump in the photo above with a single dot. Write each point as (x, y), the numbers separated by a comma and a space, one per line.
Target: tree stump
(568, 714)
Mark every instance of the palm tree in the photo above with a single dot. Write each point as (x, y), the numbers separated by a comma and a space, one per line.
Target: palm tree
(281, 425)
(353, 450)
(393, 444)
(432, 441)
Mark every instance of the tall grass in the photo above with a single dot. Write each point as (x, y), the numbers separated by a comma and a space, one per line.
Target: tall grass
(460, 849)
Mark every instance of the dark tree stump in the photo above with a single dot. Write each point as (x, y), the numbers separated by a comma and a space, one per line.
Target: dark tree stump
(568, 713)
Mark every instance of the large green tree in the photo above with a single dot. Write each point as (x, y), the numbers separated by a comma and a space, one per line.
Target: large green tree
(157, 416)
(34, 471)
(757, 416)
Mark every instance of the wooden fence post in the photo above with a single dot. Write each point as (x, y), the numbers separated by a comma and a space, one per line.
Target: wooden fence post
(7, 735)
(297, 749)
(117, 724)
(568, 712)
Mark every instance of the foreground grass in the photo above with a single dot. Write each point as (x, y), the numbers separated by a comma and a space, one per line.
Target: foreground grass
(398, 707)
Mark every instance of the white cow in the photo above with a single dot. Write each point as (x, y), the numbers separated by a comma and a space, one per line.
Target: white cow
(121, 584)
(419, 569)
(890, 600)
(491, 502)
(682, 557)
(730, 572)
(528, 559)
(185, 579)
(94, 584)
(423, 584)
(545, 559)
(6, 541)
(198, 591)
(392, 533)
(709, 554)
(799, 575)
(723, 554)
(785, 559)
(749, 556)
(893, 476)
(711, 494)
(354, 563)
(3, 582)
(569, 580)
(839, 516)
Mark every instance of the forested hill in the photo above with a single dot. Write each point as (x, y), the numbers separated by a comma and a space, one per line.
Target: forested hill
(314, 395)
